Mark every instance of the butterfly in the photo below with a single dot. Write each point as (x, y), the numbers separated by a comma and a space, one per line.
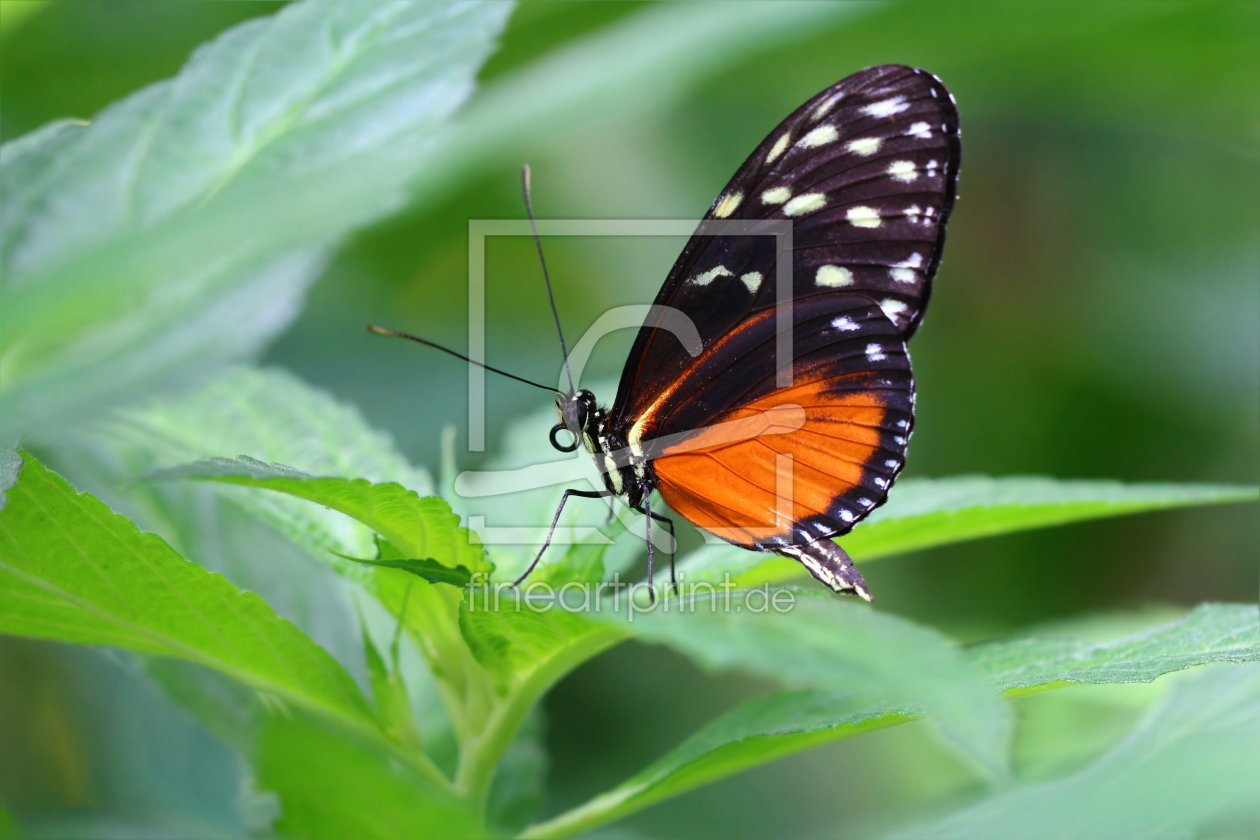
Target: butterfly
(768, 396)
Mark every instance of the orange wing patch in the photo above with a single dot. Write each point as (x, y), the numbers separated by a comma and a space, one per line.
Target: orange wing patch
(772, 462)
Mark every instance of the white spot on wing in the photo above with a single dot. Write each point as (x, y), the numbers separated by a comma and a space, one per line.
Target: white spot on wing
(881, 483)
(752, 280)
(915, 260)
(847, 515)
(903, 170)
(919, 129)
(709, 276)
(904, 275)
(819, 137)
(892, 308)
(875, 353)
(804, 203)
(776, 195)
(728, 205)
(845, 324)
(864, 146)
(863, 217)
(886, 107)
(833, 276)
(892, 463)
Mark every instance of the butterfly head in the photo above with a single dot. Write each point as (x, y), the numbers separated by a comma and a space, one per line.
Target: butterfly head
(578, 415)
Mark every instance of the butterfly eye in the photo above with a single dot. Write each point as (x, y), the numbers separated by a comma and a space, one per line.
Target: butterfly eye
(555, 441)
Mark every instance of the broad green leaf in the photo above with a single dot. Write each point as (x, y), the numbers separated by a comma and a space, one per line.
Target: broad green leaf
(760, 731)
(240, 411)
(73, 571)
(769, 727)
(803, 640)
(1191, 760)
(1208, 633)
(931, 512)
(180, 229)
(419, 527)
(334, 785)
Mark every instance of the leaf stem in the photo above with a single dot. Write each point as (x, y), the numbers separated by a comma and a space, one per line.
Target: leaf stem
(480, 754)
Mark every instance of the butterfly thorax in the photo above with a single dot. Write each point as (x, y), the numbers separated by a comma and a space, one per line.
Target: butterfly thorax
(625, 473)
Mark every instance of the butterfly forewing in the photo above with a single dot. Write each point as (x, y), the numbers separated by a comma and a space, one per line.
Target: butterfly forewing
(865, 171)
(865, 174)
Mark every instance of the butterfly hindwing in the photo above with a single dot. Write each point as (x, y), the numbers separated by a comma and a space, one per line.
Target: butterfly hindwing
(765, 464)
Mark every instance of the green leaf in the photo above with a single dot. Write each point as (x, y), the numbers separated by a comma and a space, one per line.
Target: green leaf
(334, 785)
(759, 731)
(421, 527)
(1186, 763)
(430, 570)
(1208, 633)
(770, 727)
(240, 411)
(931, 512)
(181, 228)
(73, 571)
(803, 640)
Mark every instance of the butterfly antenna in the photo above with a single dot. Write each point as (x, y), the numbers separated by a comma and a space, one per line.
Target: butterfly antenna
(551, 298)
(373, 328)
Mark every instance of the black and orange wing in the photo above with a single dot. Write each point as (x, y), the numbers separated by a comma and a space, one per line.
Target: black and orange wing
(791, 421)
(789, 465)
(865, 172)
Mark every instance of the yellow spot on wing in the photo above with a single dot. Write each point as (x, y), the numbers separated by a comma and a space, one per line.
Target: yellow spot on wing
(903, 170)
(825, 108)
(776, 195)
(727, 205)
(778, 147)
(863, 217)
(834, 276)
(865, 146)
(819, 136)
(804, 203)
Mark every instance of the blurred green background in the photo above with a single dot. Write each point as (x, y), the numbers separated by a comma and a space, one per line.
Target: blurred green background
(1097, 315)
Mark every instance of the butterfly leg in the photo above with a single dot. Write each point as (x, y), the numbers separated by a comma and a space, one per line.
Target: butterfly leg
(585, 494)
(645, 508)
